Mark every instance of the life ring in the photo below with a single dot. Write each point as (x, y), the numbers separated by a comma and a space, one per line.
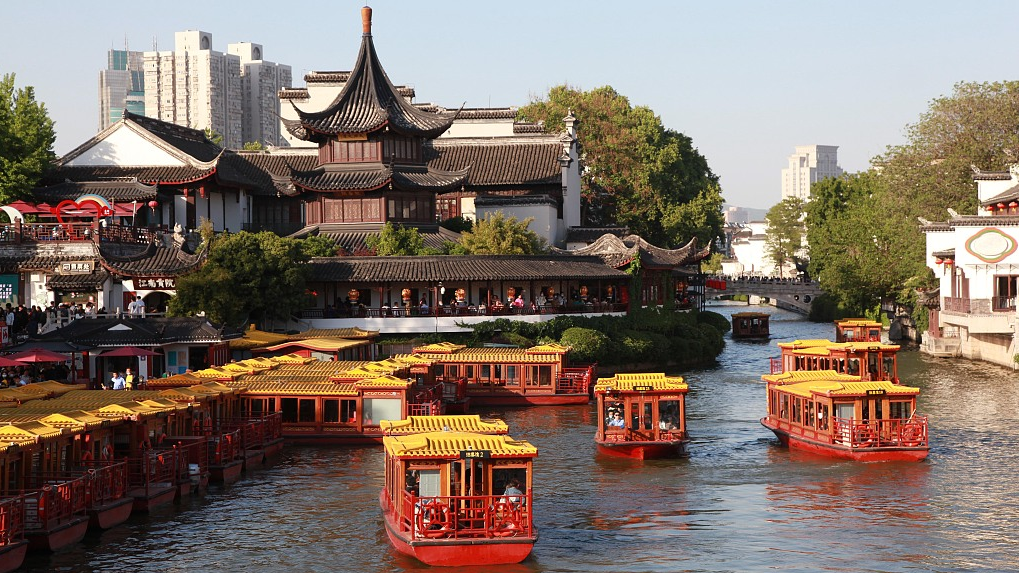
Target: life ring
(911, 435)
(434, 519)
(87, 456)
(505, 519)
(865, 436)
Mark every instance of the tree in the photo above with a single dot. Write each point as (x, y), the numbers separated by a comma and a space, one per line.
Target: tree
(397, 240)
(457, 224)
(26, 141)
(318, 246)
(497, 234)
(248, 145)
(214, 136)
(636, 172)
(248, 277)
(784, 242)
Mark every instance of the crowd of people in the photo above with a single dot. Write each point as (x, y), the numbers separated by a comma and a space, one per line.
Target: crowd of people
(14, 376)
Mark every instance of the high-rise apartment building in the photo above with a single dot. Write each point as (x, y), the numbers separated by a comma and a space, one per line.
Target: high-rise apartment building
(261, 82)
(810, 164)
(121, 86)
(233, 93)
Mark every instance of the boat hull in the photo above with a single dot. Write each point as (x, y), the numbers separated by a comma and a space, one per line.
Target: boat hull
(461, 552)
(58, 537)
(880, 454)
(111, 514)
(227, 473)
(12, 555)
(643, 450)
(156, 496)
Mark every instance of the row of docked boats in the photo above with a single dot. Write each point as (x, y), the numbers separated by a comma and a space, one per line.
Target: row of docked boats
(74, 459)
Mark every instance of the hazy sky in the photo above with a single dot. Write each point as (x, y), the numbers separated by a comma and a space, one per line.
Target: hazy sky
(747, 80)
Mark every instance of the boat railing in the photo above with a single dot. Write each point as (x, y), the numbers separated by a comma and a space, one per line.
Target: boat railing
(467, 516)
(55, 502)
(622, 435)
(12, 520)
(152, 467)
(897, 432)
(429, 408)
(227, 448)
(574, 380)
(193, 451)
(105, 481)
(776, 365)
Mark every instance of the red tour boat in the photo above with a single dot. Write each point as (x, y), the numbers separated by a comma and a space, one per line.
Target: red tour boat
(459, 498)
(842, 416)
(750, 325)
(641, 416)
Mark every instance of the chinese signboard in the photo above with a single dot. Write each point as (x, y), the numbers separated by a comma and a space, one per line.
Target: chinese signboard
(152, 284)
(75, 268)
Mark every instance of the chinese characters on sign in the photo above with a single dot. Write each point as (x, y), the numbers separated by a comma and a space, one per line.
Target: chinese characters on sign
(151, 284)
(75, 268)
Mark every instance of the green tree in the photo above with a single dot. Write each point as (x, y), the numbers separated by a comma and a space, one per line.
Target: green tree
(214, 136)
(636, 172)
(26, 140)
(249, 145)
(497, 234)
(248, 277)
(318, 246)
(397, 240)
(457, 224)
(786, 230)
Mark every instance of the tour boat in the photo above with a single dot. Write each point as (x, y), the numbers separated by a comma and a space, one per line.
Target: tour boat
(459, 498)
(641, 416)
(869, 360)
(459, 423)
(857, 330)
(13, 545)
(842, 416)
(535, 376)
(750, 325)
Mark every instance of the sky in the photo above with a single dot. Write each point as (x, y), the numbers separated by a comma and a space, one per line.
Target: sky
(747, 81)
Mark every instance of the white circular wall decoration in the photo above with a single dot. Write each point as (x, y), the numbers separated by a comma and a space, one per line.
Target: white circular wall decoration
(991, 245)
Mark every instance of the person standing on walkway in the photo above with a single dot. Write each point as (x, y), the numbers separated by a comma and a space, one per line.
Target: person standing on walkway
(117, 382)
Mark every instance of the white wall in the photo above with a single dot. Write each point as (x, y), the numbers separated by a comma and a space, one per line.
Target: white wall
(124, 147)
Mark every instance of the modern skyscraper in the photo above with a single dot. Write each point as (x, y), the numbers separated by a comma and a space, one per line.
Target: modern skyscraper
(121, 86)
(810, 163)
(261, 82)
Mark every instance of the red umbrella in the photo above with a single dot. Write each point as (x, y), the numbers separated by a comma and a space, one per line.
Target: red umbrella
(4, 362)
(128, 351)
(39, 355)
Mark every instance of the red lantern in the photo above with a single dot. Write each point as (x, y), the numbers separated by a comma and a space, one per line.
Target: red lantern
(1013, 205)
(949, 262)
(153, 204)
(990, 208)
(938, 261)
(1001, 205)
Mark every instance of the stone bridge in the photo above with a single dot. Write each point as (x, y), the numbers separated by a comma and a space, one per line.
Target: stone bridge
(788, 294)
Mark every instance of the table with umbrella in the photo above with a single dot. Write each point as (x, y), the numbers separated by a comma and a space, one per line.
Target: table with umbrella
(130, 352)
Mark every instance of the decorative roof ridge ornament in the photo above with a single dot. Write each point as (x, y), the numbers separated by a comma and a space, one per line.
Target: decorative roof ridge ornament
(366, 20)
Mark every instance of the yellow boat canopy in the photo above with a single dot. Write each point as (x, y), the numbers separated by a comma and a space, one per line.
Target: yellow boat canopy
(423, 424)
(854, 389)
(642, 382)
(798, 376)
(450, 445)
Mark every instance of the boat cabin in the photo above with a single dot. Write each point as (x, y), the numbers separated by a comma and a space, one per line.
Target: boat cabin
(459, 498)
(641, 415)
(857, 329)
(460, 423)
(868, 360)
(750, 325)
(836, 414)
(511, 376)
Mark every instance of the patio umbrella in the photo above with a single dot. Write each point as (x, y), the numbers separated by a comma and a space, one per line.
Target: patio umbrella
(4, 362)
(128, 351)
(39, 355)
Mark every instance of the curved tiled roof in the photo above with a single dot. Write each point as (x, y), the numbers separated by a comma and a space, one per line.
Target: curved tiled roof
(120, 191)
(448, 445)
(368, 102)
(167, 175)
(445, 268)
(509, 163)
(463, 423)
(366, 177)
(618, 252)
(147, 261)
(354, 239)
(82, 283)
(639, 382)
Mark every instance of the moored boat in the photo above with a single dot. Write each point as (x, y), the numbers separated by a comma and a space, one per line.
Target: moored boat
(842, 416)
(751, 325)
(459, 498)
(857, 330)
(641, 416)
(868, 359)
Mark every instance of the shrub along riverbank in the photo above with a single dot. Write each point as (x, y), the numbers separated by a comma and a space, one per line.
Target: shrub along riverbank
(653, 338)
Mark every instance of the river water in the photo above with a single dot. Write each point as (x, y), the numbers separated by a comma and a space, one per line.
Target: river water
(740, 502)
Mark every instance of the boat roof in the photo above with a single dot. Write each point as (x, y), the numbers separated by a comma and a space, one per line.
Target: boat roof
(750, 315)
(488, 355)
(832, 388)
(634, 382)
(471, 423)
(858, 346)
(462, 353)
(449, 445)
(797, 376)
(857, 322)
(805, 343)
(318, 344)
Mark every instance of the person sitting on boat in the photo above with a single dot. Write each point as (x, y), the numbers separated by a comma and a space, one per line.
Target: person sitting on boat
(617, 421)
(513, 493)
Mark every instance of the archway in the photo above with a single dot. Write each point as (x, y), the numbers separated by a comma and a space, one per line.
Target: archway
(156, 301)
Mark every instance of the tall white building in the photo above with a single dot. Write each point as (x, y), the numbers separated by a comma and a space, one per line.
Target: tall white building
(810, 164)
(232, 93)
(261, 82)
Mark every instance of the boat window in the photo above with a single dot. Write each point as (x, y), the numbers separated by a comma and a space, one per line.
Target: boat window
(614, 415)
(486, 372)
(774, 402)
(289, 410)
(889, 367)
(429, 483)
(668, 415)
(647, 417)
(845, 411)
(822, 416)
(330, 411)
(376, 409)
(540, 376)
(796, 410)
(306, 410)
(900, 410)
(853, 366)
(452, 370)
(469, 372)
(783, 406)
(808, 413)
(875, 335)
(872, 362)
(498, 371)
(502, 476)
(512, 375)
